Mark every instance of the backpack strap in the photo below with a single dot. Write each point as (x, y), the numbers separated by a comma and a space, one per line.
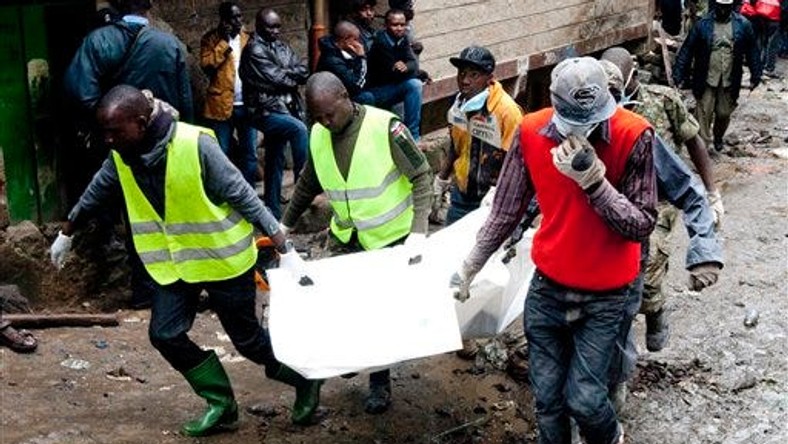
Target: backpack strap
(112, 77)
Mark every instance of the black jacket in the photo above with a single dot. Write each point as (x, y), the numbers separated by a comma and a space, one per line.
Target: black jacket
(351, 71)
(131, 54)
(698, 46)
(384, 54)
(271, 73)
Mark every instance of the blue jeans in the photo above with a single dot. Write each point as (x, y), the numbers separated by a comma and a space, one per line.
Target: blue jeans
(386, 96)
(459, 206)
(767, 33)
(233, 300)
(246, 157)
(279, 129)
(571, 337)
(625, 354)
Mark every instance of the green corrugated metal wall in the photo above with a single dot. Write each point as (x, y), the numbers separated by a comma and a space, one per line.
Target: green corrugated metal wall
(33, 38)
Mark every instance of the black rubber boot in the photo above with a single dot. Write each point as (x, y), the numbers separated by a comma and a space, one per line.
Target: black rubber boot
(379, 398)
(210, 381)
(657, 330)
(307, 392)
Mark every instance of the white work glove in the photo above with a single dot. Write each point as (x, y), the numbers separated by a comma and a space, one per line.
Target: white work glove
(439, 189)
(488, 198)
(284, 229)
(59, 249)
(462, 281)
(414, 244)
(440, 186)
(715, 202)
(293, 264)
(577, 159)
(703, 275)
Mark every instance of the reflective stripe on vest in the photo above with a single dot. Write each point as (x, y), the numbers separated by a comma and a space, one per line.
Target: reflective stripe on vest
(376, 200)
(197, 241)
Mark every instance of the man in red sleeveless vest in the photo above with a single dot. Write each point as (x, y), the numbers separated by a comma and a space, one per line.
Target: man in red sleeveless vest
(590, 167)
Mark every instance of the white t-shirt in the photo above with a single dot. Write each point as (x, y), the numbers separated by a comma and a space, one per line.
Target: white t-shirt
(235, 44)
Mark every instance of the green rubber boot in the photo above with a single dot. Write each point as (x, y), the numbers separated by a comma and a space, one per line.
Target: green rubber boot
(210, 381)
(307, 392)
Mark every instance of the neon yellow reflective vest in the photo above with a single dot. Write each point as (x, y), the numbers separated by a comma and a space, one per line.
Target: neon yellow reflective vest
(376, 199)
(196, 241)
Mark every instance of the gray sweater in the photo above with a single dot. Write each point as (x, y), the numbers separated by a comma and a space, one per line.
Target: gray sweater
(221, 179)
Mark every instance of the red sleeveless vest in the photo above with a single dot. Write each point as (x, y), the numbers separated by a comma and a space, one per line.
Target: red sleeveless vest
(573, 245)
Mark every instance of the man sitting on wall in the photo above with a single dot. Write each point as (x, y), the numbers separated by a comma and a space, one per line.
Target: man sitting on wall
(342, 54)
(362, 14)
(393, 71)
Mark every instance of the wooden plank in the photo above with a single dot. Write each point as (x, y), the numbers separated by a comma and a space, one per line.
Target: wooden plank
(459, 19)
(436, 6)
(62, 320)
(523, 28)
(613, 38)
(534, 32)
(507, 69)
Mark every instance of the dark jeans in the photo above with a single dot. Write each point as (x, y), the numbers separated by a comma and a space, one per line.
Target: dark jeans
(386, 96)
(767, 33)
(625, 354)
(142, 286)
(233, 301)
(571, 337)
(278, 130)
(459, 206)
(246, 157)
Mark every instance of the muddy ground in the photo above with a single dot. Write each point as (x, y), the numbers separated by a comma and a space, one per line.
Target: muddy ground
(717, 382)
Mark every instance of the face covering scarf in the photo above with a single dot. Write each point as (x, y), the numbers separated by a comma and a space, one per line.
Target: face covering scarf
(626, 99)
(566, 129)
(460, 108)
(476, 102)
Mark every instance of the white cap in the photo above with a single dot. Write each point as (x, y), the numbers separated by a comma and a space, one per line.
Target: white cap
(724, 2)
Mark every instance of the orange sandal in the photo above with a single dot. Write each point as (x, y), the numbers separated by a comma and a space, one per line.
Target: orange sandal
(20, 341)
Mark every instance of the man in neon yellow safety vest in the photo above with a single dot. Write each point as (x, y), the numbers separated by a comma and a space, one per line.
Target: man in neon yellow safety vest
(192, 217)
(378, 182)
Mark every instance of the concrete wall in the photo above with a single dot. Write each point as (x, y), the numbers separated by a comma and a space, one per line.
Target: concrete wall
(191, 19)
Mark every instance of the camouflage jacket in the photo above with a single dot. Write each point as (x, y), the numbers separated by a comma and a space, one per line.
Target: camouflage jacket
(665, 110)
